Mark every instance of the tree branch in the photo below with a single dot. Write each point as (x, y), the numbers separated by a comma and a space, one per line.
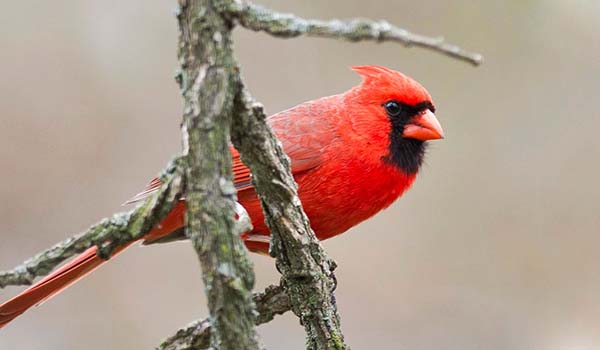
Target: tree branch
(207, 85)
(107, 235)
(196, 336)
(286, 25)
(307, 272)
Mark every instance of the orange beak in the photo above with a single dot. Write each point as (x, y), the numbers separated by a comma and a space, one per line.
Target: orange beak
(424, 126)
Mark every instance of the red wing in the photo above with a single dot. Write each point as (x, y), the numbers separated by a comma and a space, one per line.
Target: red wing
(151, 187)
(304, 132)
(241, 179)
(241, 174)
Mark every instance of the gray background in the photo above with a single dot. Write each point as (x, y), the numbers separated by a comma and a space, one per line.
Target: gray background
(495, 247)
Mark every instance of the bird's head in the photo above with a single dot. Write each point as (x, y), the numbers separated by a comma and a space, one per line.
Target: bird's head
(404, 107)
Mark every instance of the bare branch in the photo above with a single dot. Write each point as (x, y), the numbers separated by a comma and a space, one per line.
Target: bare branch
(306, 270)
(196, 336)
(286, 25)
(107, 235)
(207, 82)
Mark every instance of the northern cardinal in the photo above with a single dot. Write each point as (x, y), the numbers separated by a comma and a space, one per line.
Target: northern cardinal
(352, 155)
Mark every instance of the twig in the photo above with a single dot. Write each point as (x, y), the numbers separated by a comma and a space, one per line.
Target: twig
(196, 336)
(107, 235)
(286, 25)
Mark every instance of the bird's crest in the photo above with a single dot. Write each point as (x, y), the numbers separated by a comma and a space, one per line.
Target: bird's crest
(382, 83)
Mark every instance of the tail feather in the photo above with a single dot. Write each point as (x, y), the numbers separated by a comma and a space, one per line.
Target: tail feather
(52, 284)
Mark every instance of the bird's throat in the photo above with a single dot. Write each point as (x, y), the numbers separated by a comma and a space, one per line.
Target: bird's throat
(405, 154)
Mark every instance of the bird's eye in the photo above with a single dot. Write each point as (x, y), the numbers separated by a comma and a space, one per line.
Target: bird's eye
(393, 108)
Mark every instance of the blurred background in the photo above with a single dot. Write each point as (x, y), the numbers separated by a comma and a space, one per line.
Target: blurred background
(497, 246)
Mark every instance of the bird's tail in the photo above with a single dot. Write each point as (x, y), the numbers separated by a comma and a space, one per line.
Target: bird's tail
(52, 284)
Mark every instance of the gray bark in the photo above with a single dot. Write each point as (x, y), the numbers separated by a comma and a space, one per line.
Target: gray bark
(207, 80)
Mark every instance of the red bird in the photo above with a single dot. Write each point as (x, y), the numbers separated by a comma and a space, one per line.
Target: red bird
(352, 154)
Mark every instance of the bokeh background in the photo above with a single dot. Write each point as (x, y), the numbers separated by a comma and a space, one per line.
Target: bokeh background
(497, 246)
